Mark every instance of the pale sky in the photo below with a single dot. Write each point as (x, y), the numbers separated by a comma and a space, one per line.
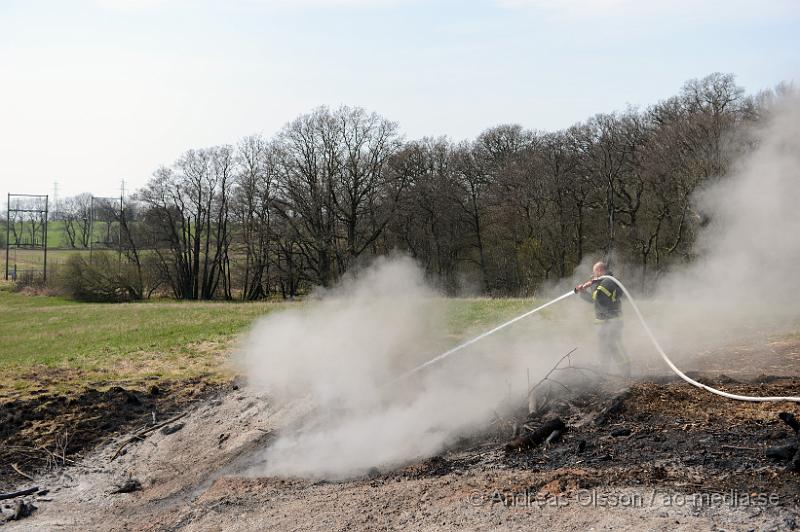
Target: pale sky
(95, 91)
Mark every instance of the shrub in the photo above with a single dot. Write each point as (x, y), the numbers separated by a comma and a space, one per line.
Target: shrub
(103, 279)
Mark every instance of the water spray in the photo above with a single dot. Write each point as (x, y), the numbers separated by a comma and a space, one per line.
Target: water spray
(646, 328)
(481, 337)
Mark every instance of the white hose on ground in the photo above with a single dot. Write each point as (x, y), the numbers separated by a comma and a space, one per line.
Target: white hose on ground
(681, 374)
(646, 328)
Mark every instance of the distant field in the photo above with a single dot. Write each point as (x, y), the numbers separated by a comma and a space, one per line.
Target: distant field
(59, 250)
(57, 242)
(57, 236)
(29, 259)
(52, 342)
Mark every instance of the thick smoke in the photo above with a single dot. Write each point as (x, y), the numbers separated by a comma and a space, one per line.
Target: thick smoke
(342, 353)
(357, 333)
(749, 253)
(744, 278)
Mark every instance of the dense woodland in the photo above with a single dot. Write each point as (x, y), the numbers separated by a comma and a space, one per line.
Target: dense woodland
(500, 214)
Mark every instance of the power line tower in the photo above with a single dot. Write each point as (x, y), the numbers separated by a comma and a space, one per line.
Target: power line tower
(29, 212)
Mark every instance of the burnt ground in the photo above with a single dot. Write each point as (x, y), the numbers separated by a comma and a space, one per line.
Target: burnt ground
(47, 430)
(636, 455)
(664, 434)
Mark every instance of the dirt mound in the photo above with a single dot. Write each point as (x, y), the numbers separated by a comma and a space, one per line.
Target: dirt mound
(52, 429)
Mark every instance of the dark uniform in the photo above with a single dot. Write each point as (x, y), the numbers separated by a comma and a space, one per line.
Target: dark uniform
(606, 296)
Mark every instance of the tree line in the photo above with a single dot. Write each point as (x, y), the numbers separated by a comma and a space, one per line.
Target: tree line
(500, 214)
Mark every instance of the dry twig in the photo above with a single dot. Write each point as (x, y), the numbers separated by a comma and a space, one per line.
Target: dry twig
(138, 435)
(20, 473)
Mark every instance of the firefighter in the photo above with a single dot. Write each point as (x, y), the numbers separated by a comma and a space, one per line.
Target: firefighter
(606, 296)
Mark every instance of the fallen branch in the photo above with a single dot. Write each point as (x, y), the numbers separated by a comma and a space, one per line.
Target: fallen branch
(615, 407)
(737, 448)
(791, 451)
(781, 452)
(20, 473)
(535, 437)
(20, 493)
(140, 434)
(553, 438)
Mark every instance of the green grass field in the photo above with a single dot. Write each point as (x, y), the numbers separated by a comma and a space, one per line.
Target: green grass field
(51, 342)
(56, 233)
(58, 244)
(59, 251)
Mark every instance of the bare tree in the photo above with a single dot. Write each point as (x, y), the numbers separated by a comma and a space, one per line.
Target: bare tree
(364, 181)
(508, 210)
(252, 209)
(75, 214)
(188, 221)
(428, 221)
(334, 189)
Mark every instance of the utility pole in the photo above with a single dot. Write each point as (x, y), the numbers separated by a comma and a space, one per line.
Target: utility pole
(8, 230)
(119, 223)
(91, 228)
(36, 206)
(46, 209)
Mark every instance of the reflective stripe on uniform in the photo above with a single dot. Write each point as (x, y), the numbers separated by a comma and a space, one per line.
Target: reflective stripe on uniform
(611, 295)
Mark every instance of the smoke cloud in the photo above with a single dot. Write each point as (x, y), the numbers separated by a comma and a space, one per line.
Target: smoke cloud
(749, 253)
(342, 353)
(743, 279)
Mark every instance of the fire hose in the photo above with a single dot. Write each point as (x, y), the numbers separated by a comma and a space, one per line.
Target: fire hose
(646, 328)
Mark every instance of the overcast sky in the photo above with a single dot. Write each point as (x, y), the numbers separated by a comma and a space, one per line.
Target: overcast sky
(96, 91)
